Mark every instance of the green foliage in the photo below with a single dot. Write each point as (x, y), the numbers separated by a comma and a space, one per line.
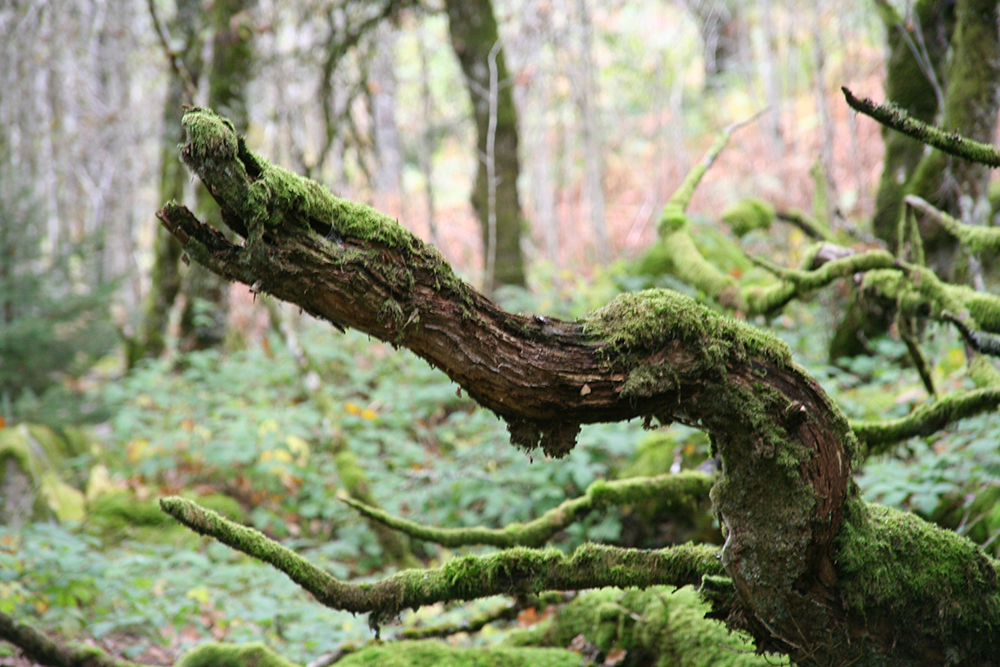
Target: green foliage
(161, 595)
(53, 323)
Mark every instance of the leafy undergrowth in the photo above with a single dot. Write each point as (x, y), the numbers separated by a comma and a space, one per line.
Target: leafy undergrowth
(243, 425)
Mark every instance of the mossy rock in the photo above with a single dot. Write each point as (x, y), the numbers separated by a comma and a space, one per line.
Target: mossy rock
(656, 627)
(437, 654)
(31, 485)
(215, 654)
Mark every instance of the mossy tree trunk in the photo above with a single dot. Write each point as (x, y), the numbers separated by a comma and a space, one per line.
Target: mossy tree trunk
(915, 74)
(813, 572)
(165, 275)
(203, 323)
(944, 68)
(971, 99)
(475, 39)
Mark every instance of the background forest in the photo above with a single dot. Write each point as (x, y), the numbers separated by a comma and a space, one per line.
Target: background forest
(128, 373)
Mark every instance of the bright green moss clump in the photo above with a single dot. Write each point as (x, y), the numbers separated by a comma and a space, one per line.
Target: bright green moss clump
(748, 215)
(659, 627)
(436, 654)
(215, 654)
(638, 324)
(930, 581)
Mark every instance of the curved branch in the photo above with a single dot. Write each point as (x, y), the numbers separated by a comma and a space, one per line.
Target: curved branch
(679, 491)
(948, 142)
(515, 572)
(926, 420)
(786, 450)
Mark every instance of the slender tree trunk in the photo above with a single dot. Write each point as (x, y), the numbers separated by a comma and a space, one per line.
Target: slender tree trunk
(474, 38)
(165, 274)
(204, 319)
(428, 144)
(586, 92)
(382, 106)
(722, 35)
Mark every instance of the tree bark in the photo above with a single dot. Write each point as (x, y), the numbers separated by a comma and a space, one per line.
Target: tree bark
(473, 37)
(970, 108)
(914, 78)
(204, 319)
(165, 276)
(815, 573)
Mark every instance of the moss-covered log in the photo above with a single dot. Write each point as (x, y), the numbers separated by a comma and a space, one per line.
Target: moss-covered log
(784, 493)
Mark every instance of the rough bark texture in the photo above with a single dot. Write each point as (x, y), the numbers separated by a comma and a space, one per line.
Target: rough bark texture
(473, 37)
(882, 590)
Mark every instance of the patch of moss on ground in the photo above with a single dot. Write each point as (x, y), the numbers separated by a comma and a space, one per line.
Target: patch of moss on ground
(437, 654)
(214, 654)
(120, 515)
(37, 454)
(657, 627)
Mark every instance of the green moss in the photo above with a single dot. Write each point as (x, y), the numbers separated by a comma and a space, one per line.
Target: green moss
(209, 134)
(930, 581)
(214, 654)
(983, 372)
(748, 215)
(656, 260)
(472, 574)
(659, 627)
(266, 196)
(390, 314)
(635, 325)
(437, 654)
(673, 219)
(38, 453)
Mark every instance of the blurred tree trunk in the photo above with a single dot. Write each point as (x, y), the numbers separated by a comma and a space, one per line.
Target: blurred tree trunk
(914, 78)
(723, 36)
(381, 91)
(475, 40)
(586, 92)
(165, 277)
(971, 103)
(206, 310)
